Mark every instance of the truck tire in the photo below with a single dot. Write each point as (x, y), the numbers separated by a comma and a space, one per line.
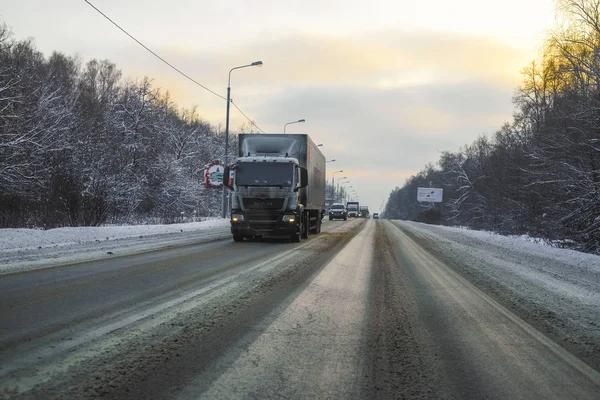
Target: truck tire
(305, 225)
(317, 227)
(238, 238)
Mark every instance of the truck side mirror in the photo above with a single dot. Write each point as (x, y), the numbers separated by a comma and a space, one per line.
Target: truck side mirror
(303, 178)
(226, 181)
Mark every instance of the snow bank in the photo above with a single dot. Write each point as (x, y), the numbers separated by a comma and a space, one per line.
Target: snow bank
(524, 244)
(22, 249)
(24, 239)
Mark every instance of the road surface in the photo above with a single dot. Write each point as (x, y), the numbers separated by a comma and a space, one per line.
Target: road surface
(367, 309)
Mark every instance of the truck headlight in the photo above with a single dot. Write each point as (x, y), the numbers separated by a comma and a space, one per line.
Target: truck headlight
(289, 218)
(237, 218)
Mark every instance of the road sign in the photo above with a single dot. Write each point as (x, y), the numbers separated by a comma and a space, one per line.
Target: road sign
(213, 174)
(430, 194)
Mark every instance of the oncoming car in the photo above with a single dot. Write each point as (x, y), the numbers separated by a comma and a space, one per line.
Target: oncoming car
(338, 210)
(375, 215)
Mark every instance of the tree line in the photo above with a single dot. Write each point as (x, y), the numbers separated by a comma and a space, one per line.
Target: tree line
(80, 146)
(539, 174)
(336, 194)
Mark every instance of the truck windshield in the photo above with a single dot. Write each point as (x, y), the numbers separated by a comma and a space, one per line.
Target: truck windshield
(352, 207)
(264, 174)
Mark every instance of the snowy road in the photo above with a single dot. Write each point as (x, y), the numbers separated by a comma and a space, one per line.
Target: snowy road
(367, 309)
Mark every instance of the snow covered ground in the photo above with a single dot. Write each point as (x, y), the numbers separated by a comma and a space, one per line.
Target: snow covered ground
(22, 249)
(558, 290)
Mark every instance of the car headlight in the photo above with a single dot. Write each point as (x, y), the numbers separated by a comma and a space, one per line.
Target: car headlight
(237, 218)
(289, 218)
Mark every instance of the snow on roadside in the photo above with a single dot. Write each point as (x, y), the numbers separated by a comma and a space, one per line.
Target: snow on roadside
(22, 249)
(24, 239)
(558, 289)
(523, 243)
(511, 261)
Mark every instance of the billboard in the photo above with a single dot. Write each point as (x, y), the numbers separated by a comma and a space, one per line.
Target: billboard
(213, 174)
(430, 194)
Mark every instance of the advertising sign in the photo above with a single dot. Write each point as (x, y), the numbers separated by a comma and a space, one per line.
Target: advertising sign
(430, 194)
(213, 174)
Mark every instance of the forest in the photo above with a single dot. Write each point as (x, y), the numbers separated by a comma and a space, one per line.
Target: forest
(80, 146)
(539, 174)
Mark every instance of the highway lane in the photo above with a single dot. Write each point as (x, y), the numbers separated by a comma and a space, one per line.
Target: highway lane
(311, 348)
(38, 302)
(361, 311)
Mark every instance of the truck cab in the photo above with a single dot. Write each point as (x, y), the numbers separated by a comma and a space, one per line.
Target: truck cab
(352, 208)
(265, 199)
(364, 212)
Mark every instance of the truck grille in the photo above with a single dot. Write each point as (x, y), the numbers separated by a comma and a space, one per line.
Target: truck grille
(262, 222)
(262, 218)
(255, 203)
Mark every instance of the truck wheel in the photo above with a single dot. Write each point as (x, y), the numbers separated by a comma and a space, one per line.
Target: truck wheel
(345, 218)
(316, 228)
(238, 238)
(305, 225)
(319, 222)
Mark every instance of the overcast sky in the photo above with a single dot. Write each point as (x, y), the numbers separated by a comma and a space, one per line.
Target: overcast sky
(385, 85)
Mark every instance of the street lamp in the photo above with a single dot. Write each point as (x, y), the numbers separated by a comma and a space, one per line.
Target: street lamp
(348, 192)
(320, 145)
(293, 122)
(330, 161)
(254, 64)
(338, 186)
(333, 180)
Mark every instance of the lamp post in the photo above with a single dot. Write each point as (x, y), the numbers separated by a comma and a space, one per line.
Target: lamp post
(254, 64)
(341, 179)
(333, 177)
(333, 181)
(338, 186)
(348, 193)
(293, 122)
(328, 161)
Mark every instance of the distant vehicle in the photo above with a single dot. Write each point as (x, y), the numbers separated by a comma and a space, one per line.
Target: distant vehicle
(338, 211)
(352, 207)
(364, 211)
(375, 215)
(278, 187)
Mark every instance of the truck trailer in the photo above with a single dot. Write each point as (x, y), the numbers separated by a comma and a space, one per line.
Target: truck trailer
(278, 187)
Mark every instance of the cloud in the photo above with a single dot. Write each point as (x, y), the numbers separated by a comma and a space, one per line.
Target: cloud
(383, 59)
(381, 137)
